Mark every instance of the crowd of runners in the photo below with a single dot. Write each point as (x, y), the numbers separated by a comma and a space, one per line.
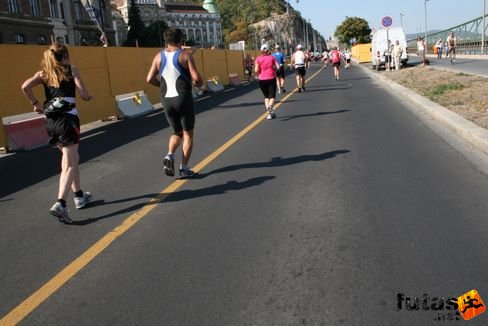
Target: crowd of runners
(174, 71)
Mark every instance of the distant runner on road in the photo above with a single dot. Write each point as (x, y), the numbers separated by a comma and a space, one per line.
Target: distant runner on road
(299, 61)
(280, 74)
(335, 59)
(266, 67)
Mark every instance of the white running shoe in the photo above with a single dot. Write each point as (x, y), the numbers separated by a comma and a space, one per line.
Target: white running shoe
(169, 165)
(81, 202)
(61, 213)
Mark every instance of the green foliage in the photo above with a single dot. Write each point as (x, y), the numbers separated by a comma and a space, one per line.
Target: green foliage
(146, 36)
(136, 25)
(444, 88)
(152, 35)
(353, 27)
(237, 15)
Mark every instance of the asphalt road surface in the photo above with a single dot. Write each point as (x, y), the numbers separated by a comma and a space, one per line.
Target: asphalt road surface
(342, 211)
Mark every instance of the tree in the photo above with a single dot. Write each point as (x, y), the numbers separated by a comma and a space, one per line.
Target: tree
(240, 33)
(152, 35)
(236, 13)
(353, 27)
(136, 26)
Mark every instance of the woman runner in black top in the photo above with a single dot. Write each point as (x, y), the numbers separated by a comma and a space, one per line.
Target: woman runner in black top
(61, 80)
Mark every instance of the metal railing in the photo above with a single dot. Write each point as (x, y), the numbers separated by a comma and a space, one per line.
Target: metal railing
(468, 35)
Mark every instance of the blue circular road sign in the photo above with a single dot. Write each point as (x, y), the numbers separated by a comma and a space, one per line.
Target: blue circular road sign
(387, 21)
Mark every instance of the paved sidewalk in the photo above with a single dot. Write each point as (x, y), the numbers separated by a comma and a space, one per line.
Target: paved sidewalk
(468, 64)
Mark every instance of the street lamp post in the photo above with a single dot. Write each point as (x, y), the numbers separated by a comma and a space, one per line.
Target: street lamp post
(425, 39)
(425, 6)
(483, 29)
(401, 18)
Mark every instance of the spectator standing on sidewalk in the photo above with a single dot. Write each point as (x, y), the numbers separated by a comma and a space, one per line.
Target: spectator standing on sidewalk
(397, 54)
(173, 70)
(439, 46)
(421, 49)
(388, 56)
(61, 80)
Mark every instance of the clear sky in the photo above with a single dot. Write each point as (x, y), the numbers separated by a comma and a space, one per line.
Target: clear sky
(326, 15)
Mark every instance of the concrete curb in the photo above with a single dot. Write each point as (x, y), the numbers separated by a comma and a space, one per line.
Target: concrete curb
(469, 131)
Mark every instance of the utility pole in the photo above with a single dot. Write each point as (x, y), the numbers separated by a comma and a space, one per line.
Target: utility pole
(159, 25)
(306, 33)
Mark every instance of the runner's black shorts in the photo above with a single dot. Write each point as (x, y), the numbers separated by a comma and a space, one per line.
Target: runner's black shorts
(63, 129)
(300, 71)
(179, 112)
(268, 87)
(280, 72)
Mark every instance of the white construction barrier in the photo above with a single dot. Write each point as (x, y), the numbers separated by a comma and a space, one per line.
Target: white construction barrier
(25, 131)
(214, 85)
(131, 105)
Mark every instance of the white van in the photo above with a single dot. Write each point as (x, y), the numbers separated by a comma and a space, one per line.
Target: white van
(379, 43)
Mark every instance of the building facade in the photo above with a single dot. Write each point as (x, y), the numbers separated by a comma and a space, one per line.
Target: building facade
(201, 24)
(45, 21)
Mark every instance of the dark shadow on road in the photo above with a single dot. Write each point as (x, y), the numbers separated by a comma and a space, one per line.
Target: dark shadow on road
(276, 162)
(25, 169)
(239, 105)
(317, 114)
(358, 78)
(174, 197)
(217, 189)
(337, 87)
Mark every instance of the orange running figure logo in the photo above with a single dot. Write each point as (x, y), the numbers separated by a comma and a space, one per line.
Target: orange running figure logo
(470, 305)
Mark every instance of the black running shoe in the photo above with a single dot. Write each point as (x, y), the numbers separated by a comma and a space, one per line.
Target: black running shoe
(186, 173)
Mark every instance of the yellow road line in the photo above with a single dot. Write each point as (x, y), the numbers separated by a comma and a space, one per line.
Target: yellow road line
(38, 297)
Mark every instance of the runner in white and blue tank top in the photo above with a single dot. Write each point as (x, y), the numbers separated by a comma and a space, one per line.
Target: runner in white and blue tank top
(173, 70)
(176, 92)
